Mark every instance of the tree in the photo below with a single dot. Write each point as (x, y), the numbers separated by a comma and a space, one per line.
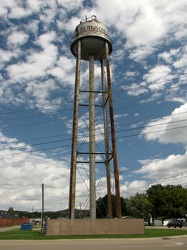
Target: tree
(11, 211)
(168, 201)
(138, 206)
(102, 207)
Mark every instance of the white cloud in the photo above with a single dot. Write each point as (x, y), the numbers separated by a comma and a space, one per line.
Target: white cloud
(170, 56)
(19, 12)
(35, 5)
(18, 9)
(36, 64)
(181, 62)
(69, 25)
(158, 76)
(63, 71)
(24, 173)
(131, 188)
(119, 13)
(3, 11)
(70, 5)
(46, 39)
(5, 56)
(178, 121)
(6, 5)
(141, 52)
(171, 170)
(11, 143)
(141, 32)
(41, 93)
(136, 89)
(17, 38)
(32, 27)
(41, 90)
(170, 129)
(145, 23)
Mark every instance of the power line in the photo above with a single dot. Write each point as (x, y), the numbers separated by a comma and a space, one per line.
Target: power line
(145, 103)
(140, 121)
(114, 92)
(117, 131)
(129, 123)
(28, 110)
(152, 125)
(164, 81)
(56, 120)
(160, 156)
(34, 123)
(31, 116)
(60, 119)
(126, 136)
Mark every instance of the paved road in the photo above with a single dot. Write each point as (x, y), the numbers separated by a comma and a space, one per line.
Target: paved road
(174, 243)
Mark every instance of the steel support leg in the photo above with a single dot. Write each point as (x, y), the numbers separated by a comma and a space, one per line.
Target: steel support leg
(72, 189)
(106, 142)
(92, 139)
(113, 136)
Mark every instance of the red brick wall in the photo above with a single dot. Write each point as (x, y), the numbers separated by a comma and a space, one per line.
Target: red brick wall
(9, 222)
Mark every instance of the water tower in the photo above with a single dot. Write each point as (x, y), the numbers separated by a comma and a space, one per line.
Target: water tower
(91, 42)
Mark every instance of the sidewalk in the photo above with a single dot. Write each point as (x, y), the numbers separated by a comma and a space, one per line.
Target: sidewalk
(4, 229)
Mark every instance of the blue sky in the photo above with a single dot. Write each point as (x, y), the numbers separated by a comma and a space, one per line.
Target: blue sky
(149, 72)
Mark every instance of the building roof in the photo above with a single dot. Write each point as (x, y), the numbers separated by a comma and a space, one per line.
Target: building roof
(8, 216)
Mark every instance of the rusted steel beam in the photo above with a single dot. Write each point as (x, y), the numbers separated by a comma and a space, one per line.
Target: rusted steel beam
(113, 136)
(107, 158)
(72, 189)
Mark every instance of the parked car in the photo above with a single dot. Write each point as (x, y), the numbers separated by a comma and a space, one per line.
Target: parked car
(175, 223)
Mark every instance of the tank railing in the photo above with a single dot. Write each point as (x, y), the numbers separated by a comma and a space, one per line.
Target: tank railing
(93, 17)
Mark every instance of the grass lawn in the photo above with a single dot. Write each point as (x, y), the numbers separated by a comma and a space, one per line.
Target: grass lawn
(36, 235)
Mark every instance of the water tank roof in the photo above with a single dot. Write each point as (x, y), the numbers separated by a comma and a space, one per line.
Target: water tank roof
(93, 35)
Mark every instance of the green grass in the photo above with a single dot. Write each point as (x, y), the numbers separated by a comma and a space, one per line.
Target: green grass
(36, 235)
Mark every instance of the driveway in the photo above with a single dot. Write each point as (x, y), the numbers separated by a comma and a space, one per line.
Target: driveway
(4, 229)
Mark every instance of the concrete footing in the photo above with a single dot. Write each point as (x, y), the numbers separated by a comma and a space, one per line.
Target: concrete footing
(95, 227)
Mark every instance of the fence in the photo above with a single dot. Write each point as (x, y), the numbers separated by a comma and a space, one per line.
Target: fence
(12, 221)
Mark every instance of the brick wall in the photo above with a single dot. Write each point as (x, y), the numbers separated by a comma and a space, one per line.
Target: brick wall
(9, 221)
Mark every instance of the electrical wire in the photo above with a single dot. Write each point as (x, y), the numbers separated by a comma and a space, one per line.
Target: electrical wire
(163, 81)
(117, 125)
(56, 120)
(133, 88)
(126, 136)
(117, 131)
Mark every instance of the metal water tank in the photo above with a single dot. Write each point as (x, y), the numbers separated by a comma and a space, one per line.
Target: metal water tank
(93, 35)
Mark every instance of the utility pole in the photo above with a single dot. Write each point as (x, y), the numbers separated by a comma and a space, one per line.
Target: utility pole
(42, 213)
